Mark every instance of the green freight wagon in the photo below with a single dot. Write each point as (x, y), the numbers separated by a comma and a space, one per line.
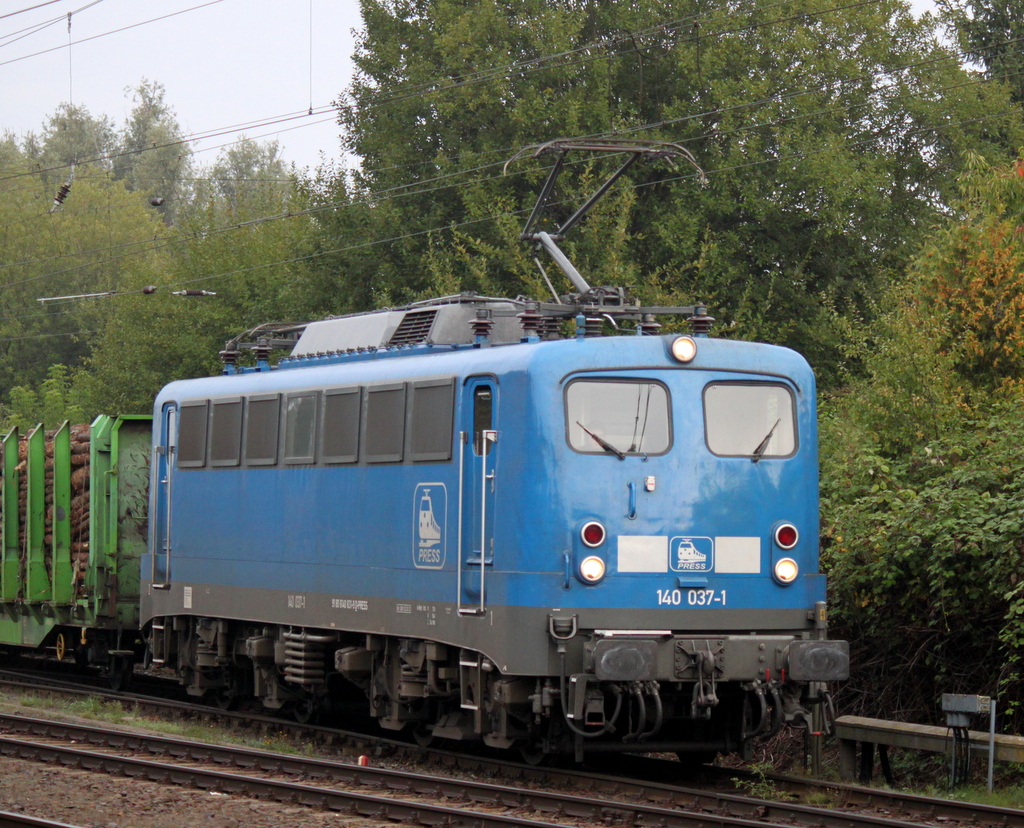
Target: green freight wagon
(74, 528)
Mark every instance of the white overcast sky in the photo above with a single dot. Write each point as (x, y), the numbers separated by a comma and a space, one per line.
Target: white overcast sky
(223, 63)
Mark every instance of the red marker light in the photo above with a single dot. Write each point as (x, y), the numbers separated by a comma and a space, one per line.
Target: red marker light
(592, 533)
(786, 536)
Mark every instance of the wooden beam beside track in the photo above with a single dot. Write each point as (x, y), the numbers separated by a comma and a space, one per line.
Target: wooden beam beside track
(851, 730)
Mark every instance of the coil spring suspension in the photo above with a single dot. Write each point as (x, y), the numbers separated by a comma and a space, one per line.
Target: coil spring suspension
(304, 658)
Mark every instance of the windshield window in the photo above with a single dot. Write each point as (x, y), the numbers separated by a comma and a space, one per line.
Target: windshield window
(749, 419)
(618, 417)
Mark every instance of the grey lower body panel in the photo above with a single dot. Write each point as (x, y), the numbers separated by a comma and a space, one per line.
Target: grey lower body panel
(617, 644)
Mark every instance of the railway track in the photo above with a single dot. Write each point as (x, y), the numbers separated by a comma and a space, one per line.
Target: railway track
(527, 796)
(11, 820)
(381, 793)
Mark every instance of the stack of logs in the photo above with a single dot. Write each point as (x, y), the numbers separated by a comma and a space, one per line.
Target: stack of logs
(79, 500)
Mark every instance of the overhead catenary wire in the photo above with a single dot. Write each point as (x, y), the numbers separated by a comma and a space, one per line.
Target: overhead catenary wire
(466, 223)
(112, 31)
(660, 124)
(396, 191)
(29, 8)
(669, 122)
(540, 60)
(28, 31)
(688, 176)
(426, 231)
(198, 136)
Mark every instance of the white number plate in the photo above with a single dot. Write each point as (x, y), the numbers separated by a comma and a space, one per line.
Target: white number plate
(691, 597)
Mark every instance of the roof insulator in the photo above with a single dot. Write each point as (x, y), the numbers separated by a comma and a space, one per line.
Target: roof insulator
(700, 322)
(482, 324)
(531, 319)
(649, 325)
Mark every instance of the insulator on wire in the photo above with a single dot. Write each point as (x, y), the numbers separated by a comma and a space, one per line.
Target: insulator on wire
(193, 292)
(63, 190)
(62, 193)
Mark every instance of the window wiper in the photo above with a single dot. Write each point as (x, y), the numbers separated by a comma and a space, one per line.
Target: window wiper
(763, 445)
(635, 446)
(602, 442)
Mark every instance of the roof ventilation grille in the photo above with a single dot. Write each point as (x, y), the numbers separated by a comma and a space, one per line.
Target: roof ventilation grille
(414, 327)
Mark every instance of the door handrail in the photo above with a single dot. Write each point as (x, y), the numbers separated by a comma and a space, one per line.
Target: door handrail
(167, 448)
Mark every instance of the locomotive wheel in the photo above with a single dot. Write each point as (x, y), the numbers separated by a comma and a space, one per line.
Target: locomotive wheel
(231, 696)
(533, 754)
(305, 711)
(423, 736)
(62, 647)
(122, 671)
(225, 699)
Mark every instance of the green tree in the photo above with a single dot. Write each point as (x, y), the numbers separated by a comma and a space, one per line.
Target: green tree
(93, 256)
(91, 243)
(922, 499)
(235, 239)
(990, 33)
(247, 176)
(830, 138)
(151, 155)
(50, 404)
(71, 140)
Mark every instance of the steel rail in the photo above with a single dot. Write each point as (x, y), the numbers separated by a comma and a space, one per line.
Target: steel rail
(9, 819)
(351, 802)
(399, 807)
(691, 807)
(639, 783)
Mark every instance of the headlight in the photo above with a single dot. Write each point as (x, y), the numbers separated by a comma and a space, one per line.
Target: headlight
(786, 570)
(684, 349)
(592, 569)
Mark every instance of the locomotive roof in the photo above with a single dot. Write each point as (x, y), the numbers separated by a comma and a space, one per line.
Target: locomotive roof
(551, 359)
(461, 319)
(444, 321)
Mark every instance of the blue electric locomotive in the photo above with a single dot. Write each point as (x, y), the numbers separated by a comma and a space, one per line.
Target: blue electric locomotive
(573, 544)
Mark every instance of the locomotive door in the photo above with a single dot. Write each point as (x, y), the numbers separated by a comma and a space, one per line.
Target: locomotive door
(478, 458)
(163, 471)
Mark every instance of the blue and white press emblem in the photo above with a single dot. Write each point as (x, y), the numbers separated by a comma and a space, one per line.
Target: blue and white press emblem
(691, 554)
(430, 512)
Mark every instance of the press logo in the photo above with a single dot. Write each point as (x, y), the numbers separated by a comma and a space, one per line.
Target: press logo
(691, 554)
(430, 511)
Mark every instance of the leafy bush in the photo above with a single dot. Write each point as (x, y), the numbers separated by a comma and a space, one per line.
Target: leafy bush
(924, 552)
(922, 496)
(51, 404)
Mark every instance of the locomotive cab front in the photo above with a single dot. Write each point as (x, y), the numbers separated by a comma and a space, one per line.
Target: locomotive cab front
(692, 613)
